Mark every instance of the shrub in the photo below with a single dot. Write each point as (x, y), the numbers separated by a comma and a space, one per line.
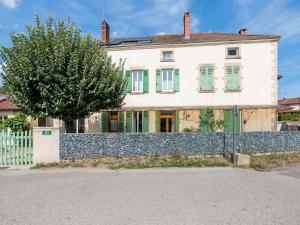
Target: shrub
(17, 123)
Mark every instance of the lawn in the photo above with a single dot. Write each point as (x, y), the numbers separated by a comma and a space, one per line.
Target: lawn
(261, 162)
(267, 162)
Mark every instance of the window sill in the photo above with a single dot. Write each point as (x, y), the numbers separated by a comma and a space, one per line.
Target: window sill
(232, 91)
(167, 92)
(165, 60)
(233, 57)
(203, 91)
(137, 93)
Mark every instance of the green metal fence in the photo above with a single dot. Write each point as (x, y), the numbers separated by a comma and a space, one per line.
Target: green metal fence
(16, 148)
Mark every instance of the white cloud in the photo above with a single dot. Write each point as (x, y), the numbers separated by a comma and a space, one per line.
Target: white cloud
(275, 18)
(155, 16)
(12, 4)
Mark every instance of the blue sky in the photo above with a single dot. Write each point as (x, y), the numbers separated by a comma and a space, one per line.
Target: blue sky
(147, 17)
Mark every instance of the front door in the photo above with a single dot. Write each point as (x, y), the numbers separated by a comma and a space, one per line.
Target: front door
(113, 119)
(167, 121)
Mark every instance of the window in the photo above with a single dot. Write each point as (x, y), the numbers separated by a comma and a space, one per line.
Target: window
(74, 126)
(167, 80)
(233, 52)
(168, 121)
(137, 81)
(233, 78)
(137, 122)
(206, 78)
(167, 56)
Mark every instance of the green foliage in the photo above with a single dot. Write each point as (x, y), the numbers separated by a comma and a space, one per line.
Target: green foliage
(208, 122)
(289, 117)
(17, 123)
(54, 71)
(190, 129)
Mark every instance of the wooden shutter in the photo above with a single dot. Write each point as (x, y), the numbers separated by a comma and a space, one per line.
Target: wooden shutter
(206, 78)
(233, 77)
(176, 80)
(128, 121)
(177, 121)
(204, 128)
(237, 122)
(209, 78)
(228, 121)
(104, 121)
(146, 81)
(157, 122)
(121, 122)
(158, 80)
(229, 84)
(236, 77)
(129, 81)
(145, 121)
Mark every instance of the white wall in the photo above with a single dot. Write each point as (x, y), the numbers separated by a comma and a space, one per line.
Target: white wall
(258, 71)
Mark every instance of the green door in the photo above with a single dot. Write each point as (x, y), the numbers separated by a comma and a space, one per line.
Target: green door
(228, 121)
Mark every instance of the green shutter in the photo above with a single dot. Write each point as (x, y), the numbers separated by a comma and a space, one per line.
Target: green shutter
(206, 78)
(128, 121)
(236, 75)
(228, 121)
(158, 80)
(157, 122)
(146, 81)
(176, 80)
(129, 81)
(204, 127)
(233, 73)
(121, 122)
(237, 123)
(177, 121)
(145, 121)
(104, 121)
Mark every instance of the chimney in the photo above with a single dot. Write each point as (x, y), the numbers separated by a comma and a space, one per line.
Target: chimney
(105, 31)
(243, 31)
(187, 25)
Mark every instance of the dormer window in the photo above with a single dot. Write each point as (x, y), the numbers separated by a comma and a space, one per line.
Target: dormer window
(233, 52)
(167, 56)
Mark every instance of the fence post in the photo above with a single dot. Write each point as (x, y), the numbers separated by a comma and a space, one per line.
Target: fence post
(45, 144)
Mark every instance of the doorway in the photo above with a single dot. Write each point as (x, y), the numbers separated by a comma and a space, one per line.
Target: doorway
(167, 121)
(113, 120)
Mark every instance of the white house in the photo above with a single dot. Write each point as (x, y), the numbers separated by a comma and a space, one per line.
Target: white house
(172, 79)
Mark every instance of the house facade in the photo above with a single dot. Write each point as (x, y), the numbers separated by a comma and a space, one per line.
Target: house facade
(172, 79)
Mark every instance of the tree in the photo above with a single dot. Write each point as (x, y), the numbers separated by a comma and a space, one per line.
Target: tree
(208, 122)
(17, 123)
(55, 71)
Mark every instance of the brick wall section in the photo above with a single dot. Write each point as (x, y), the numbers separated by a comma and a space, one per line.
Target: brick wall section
(84, 146)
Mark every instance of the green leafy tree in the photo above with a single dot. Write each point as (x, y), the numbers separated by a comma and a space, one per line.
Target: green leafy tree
(17, 123)
(208, 122)
(55, 71)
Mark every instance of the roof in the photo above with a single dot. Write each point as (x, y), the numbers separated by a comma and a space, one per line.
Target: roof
(179, 39)
(289, 101)
(5, 104)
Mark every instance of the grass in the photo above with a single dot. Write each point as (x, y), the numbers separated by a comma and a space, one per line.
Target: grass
(264, 162)
(270, 161)
(142, 162)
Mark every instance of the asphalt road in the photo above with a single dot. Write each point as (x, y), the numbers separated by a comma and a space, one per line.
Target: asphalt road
(149, 197)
